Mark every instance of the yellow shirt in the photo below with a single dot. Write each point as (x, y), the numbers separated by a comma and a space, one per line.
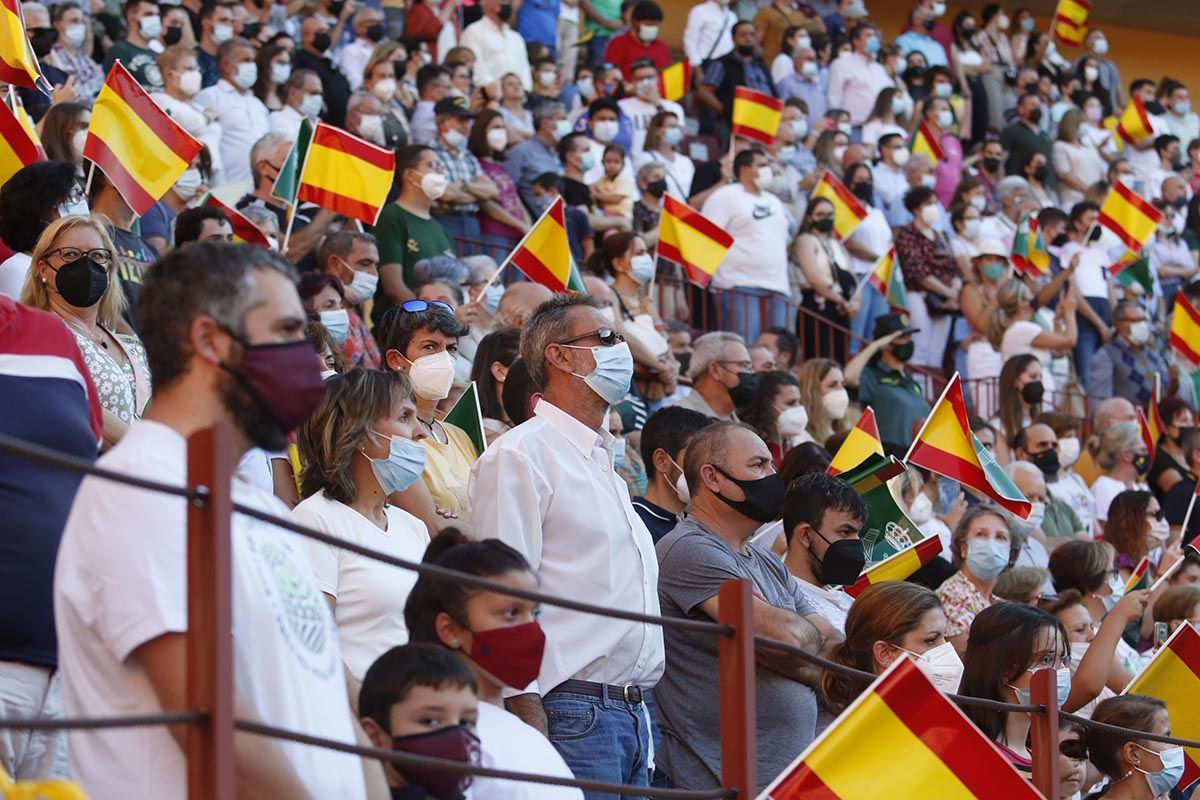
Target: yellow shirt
(1087, 468)
(448, 467)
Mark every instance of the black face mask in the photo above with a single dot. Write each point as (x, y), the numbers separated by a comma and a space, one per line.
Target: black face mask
(1040, 173)
(903, 352)
(1180, 202)
(657, 188)
(1047, 461)
(1141, 462)
(864, 190)
(823, 225)
(42, 39)
(913, 75)
(173, 35)
(1061, 240)
(1094, 236)
(336, 7)
(375, 32)
(250, 30)
(1033, 392)
(1035, 116)
(685, 361)
(746, 390)
(505, 12)
(745, 50)
(991, 165)
(928, 24)
(843, 562)
(764, 496)
(321, 42)
(81, 282)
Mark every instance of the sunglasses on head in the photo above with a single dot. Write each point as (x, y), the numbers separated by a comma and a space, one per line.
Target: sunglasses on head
(417, 306)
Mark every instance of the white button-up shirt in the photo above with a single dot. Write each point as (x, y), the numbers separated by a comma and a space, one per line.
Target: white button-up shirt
(855, 82)
(354, 59)
(708, 33)
(243, 120)
(498, 50)
(286, 122)
(548, 489)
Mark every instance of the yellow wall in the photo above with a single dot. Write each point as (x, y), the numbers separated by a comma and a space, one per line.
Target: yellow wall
(1138, 53)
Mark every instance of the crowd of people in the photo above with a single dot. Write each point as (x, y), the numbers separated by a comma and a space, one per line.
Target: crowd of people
(639, 442)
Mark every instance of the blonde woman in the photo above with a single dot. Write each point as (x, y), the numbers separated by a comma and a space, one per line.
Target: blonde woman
(1012, 330)
(72, 275)
(1124, 462)
(823, 394)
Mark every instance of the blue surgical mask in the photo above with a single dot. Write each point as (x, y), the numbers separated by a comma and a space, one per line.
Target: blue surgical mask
(491, 298)
(337, 322)
(641, 268)
(987, 558)
(1062, 685)
(1163, 781)
(587, 161)
(618, 451)
(873, 45)
(613, 373)
(403, 466)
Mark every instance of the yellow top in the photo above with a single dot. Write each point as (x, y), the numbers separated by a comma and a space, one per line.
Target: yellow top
(1087, 467)
(447, 468)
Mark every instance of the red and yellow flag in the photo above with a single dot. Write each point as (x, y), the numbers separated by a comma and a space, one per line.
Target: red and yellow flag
(1070, 22)
(543, 255)
(675, 80)
(848, 212)
(1154, 420)
(1138, 575)
(1029, 254)
(244, 231)
(1129, 216)
(346, 174)
(18, 65)
(860, 442)
(19, 143)
(690, 239)
(1173, 676)
(1147, 439)
(1134, 123)
(756, 115)
(904, 734)
(899, 566)
(945, 445)
(1185, 329)
(137, 145)
(924, 143)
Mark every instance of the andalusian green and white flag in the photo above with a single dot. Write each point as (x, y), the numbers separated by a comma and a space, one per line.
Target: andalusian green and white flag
(887, 530)
(467, 415)
(287, 182)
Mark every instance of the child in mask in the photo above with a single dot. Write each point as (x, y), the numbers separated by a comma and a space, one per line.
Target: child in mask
(421, 699)
(614, 192)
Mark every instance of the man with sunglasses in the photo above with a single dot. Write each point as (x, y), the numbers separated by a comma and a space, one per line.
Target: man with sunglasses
(548, 489)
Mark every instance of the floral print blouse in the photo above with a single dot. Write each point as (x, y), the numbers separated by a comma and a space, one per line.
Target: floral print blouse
(116, 382)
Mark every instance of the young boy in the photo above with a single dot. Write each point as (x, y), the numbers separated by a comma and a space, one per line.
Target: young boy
(422, 699)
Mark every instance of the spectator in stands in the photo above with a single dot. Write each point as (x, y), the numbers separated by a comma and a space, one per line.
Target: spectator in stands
(639, 41)
(1025, 137)
(708, 33)
(1095, 45)
(406, 227)
(775, 412)
(181, 82)
(536, 156)
(982, 548)
(577, 527)
(1078, 162)
(412, 694)
(216, 28)
(143, 25)
(41, 191)
(855, 82)
(1126, 366)
(1021, 394)
(493, 359)
(822, 518)
(208, 311)
(823, 393)
(457, 210)
(1121, 455)
(1069, 486)
(722, 374)
(304, 99)
(360, 445)
(1137, 528)
(885, 622)
(830, 297)
(313, 54)
(931, 277)
(884, 381)
(1038, 444)
(734, 489)
(503, 220)
(368, 33)
(64, 132)
(644, 103)
(782, 344)
(69, 52)
(243, 116)
(267, 157)
(157, 225)
(133, 255)
(380, 80)
(741, 67)
(1108, 413)
(1154, 764)
(1176, 500)
(274, 69)
(433, 85)
(420, 338)
(353, 259)
(519, 302)
(663, 137)
(202, 224)
(664, 440)
(498, 49)
(500, 640)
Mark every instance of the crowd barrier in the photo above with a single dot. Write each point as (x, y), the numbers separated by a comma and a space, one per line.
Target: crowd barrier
(211, 721)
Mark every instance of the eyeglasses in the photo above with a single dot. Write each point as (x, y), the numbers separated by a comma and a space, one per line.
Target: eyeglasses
(745, 366)
(607, 336)
(99, 255)
(417, 306)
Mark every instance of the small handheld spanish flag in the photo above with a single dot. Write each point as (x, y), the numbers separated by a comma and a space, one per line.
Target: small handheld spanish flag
(544, 255)
(1173, 676)
(1129, 216)
(19, 143)
(674, 81)
(756, 115)
(18, 63)
(1185, 329)
(1070, 22)
(691, 240)
(848, 212)
(860, 444)
(1134, 124)
(346, 174)
(924, 143)
(244, 231)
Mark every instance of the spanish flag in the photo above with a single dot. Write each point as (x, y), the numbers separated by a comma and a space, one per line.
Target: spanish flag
(945, 445)
(690, 239)
(137, 145)
(888, 280)
(1147, 438)
(1185, 329)
(19, 144)
(1154, 422)
(1137, 578)
(244, 231)
(346, 174)
(1070, 22)
(1134, 124)
(860, 443)
(900, 566)
(1129, 216)
(901, 738)
(848, 212)
(543, 255)
(1173, 676)
(675, 80)
(1029, 253)
(756, 115)
(924, 143)
(18, 65)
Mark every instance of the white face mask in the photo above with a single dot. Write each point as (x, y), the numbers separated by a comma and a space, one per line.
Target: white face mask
(586, 86)
(764, 177)
(943, 90)
(247, 74)
(361, 288)
(370, 127)
(648, 33)
(433, 184)
(78, 140)
(647, 87)
(384, 89)
(945, 119)
(189, 82)
(900, 156)
(792, 421)
(71, 208)
(971, 228)
(1068, 451)
(681, 487)
(188, 183)
(454, 139)
(605, 130)
(942, 666)
(561, 128)
(280, 73)
(150, 27)
(929, 181)
(1139, 332)
(1100, 46)
(836, 403)
(547, 79)
(1091, 73)
(921, 510)
(222, 33)
(609, 315)
(930, 214)
(1078, 650)
(497, 138)
(432, 375)
(619, 447)
(310, 106)
(75, 34)
(838, 154)
(800, 127)
(1160, 531)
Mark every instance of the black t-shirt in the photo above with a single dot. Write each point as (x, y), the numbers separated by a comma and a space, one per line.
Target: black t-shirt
(1175, 505)
(134, 256)
(707, 175)
(576, 194)
(658, 520)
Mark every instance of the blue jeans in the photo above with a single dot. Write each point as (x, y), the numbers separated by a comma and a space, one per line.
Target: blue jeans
(596, 47)
(602, 739)
(750, 311)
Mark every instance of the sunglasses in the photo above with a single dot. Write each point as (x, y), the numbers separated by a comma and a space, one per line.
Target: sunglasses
(417, 306)
(607, 336)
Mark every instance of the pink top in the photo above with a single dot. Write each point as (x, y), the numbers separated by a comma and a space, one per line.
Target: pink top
(508, 200)
(949, 169)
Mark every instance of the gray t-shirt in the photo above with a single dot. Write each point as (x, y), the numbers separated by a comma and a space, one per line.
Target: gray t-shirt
(693, 563)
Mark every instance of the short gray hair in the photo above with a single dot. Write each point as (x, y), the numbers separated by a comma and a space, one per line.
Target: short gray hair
(547, 326)
(440, 269)
(1010, 185)
(1107, 445)
(477, 267)
(709, 348)
(226, 49)
(546, 111)
(262, 149)
(917, 162)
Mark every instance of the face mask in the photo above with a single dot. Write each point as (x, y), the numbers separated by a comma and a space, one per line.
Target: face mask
(1068, 451)
(1033, 392)
(930, 214)
(247, 74)
(836, 403)
(971, 230)
(150, 27)
(1100, 47)
(613, 374)
(838, 154)
(929, 181)
(900, 156)
(586, 86)
(189, 82)
(921, 510)
(945, 119)
(993, 270)
(942, 666)
(432, 375)
(561, 128)
(1164, 780)
(1091, 73)
(824, 225)
(864, 190)
(786, 154)
(1078, 651)
(605, 130)
(513, 655)
(903, 352)
(764, 497)
(321, 42)
(81, 282)
(1035, 116)
(792, 421)
(943, 90)
(1160, 530)
(188, 183)
(280, 73)
(764, 177)
(75, 34)
(78, 140)
(681, 487)
(455, 139)
(361, 288)
(337, 322)
(506, 12)
(587, 161)
(657, 188)
(1062, 682)
(619, 448)
(800, 128)
(72, 208)
(1027, 527)
(672, 136)
(384, 89)
(222, 33)
(491, 298)
(641, 268)
(546, 79)
(285, 382)
(1048, 462)
(873, 45)
(174, 34)
(844, 127)
(1139, 332)
(433, 184)
(497, 138)
(310, 106)
(987, 558)
(802, 43)
(1118, 591)
(746, 389)
(745, 50)
(898, 106)
(402, 467)
(454, 743)
(939, 9)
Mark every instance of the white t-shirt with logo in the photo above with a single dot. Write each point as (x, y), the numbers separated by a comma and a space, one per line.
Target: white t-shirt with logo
(508, 743)
(121, 581)
(759, 227)
(370, 595)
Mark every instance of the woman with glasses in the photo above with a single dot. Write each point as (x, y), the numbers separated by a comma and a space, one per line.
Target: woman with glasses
(982, 547)
(1137, 770)
(73, 276)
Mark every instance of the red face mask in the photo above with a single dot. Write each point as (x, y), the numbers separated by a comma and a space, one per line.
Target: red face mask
(454, 743)
(513, 655)
(283, 378)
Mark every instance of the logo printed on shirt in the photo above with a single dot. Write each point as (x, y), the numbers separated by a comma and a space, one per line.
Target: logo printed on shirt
(761, 212)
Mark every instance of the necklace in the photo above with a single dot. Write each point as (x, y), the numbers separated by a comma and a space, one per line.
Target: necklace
(99, 338)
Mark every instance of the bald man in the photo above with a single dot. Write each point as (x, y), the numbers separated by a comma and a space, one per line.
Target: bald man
(1038, 445)
(1029, 480)
(1110, 412)
(519, 302)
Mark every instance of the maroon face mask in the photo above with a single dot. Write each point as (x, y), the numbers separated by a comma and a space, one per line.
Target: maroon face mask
(454, 743)
(283, 378)
(511, 655)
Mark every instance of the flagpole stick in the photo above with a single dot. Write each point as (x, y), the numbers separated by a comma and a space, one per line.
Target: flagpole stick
(87, 189)
(654, 280)
(288, 234)
(1187, 518)
(519, 244)
(1172, 570)
(12, 97)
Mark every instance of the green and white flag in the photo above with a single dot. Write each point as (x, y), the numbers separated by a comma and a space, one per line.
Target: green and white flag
(287, 182)
(467, 415)
(887, 530)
